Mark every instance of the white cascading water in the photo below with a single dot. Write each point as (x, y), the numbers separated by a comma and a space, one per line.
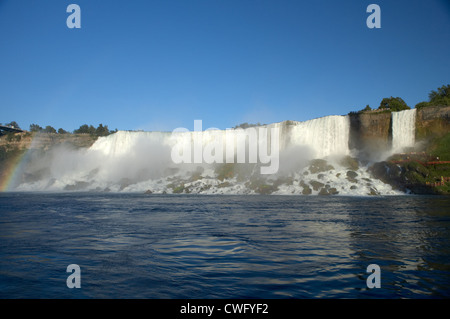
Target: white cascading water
(124, 143)
(326, 135)
(403, 129)
(140, 161)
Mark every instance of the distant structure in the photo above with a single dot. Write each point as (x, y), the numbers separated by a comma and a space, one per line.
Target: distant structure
(7, 129)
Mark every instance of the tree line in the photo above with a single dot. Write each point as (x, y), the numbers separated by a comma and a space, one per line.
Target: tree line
(100, 130)
(438, 97)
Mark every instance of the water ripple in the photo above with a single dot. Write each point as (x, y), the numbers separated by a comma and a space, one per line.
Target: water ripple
(136, 246)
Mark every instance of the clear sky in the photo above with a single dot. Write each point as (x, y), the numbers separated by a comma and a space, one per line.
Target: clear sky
(161, 64)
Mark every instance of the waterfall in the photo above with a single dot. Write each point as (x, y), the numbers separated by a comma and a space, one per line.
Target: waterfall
(403, 129)
(128, 142)
(325, 136)
(144, 161)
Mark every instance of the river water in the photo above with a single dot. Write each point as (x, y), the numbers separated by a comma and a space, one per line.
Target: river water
(227, 246)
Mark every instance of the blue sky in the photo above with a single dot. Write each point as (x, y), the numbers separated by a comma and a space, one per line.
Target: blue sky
(161, 64)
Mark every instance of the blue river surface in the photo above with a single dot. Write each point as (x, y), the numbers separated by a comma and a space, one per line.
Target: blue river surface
(221, 247)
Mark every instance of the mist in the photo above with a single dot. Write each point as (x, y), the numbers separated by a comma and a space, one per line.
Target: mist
(167, 162)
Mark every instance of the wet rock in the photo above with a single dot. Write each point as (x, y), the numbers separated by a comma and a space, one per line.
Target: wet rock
(283, 180)
(387, 172)
(205, 188)
(316, 185)
(349, 163)
(224, 184)
(225, 171)
(178, 189)
(319, 165)
(399, 177)
(306, 190)
(351, 176)
(333, 191)
(196, 176)
(125, 182)
(328, 190)
(79, 185)
(266, 189)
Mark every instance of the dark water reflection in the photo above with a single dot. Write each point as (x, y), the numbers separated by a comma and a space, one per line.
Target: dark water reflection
(139, 246)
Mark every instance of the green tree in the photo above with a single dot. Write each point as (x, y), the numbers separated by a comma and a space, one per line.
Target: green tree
(440, 97)
(85, 129)
(49, 129)
(35, 128)
(62, 131)
(422, 104)
(102, 130)
(13, 124)
(246, 125)
(394, 104)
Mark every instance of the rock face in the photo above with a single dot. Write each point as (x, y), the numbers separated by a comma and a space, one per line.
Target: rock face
(44, 141)
(427, 114)
(18, 141)
(432, 121)
(370, 132)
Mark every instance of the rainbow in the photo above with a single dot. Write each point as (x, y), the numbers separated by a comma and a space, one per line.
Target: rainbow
(11, 170)
(13, 166)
